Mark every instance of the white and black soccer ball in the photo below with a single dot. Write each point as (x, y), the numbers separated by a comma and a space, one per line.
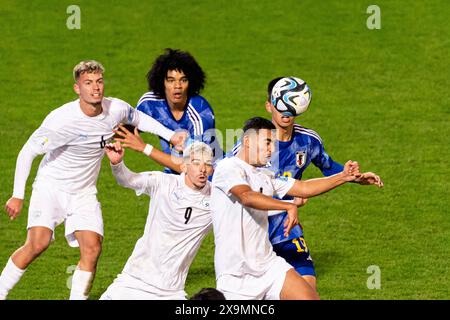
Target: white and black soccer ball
(291, 96)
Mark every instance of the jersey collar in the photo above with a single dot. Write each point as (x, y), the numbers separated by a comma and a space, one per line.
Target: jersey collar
(101, 116)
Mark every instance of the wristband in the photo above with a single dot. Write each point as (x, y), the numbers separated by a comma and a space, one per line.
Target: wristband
(148, 149)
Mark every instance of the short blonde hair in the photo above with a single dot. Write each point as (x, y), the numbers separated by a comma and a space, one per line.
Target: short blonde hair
(89, 66)
(196, 148)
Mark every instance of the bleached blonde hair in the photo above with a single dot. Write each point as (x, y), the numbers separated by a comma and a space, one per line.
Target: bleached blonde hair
(89, 66)
(197, 148)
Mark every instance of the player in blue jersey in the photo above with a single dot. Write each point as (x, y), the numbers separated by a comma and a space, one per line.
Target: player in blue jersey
(296, 148)
(175, 81)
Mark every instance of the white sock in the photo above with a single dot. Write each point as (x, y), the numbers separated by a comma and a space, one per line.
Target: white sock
(81, 284)
(10, 276)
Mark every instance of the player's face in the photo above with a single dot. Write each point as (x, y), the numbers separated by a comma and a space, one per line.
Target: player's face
(198, 170)
(278, 119)
(261, 146)
(176, 87)
(89, 87)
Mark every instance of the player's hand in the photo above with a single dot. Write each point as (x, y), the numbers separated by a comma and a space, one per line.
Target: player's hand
(178, 140)
(291, 219)
(351, 171)
(13, 207)
(300, 202)
(130, 140)
(115, 152)
(368, 178)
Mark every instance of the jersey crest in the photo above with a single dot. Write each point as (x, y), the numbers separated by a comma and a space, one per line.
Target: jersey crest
(300, 158)
(205, 204)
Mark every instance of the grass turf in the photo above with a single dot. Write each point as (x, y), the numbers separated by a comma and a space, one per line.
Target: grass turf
(379, 97)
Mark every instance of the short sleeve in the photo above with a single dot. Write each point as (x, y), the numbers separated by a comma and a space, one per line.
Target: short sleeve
(282, 185)
(227, 175)
(323, 161)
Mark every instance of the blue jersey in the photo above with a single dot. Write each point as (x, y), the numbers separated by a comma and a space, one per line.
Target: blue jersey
(290, 159)
(197, 119)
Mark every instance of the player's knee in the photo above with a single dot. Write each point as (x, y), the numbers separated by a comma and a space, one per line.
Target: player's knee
(311, 280)
(297, 288)
(311, 295)
(91, 251)
(36, 247)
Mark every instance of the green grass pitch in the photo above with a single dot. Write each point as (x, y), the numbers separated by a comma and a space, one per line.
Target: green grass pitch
(379, 97)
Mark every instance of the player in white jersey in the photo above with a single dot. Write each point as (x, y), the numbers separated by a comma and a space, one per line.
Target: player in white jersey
(179, 217)
(72, 138)
(245, 263)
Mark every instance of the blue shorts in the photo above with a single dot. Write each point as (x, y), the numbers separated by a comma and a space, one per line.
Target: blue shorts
(297, 254)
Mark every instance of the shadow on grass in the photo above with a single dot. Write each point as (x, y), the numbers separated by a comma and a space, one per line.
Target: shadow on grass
(325, 261)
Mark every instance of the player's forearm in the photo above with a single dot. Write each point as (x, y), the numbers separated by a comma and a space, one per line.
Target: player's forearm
(148, 124)
(315, 187)
(125, 177)
(166, 160)
(23, 168)
(260, 201)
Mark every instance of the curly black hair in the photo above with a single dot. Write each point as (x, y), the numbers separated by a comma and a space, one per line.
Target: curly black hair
(174, 59)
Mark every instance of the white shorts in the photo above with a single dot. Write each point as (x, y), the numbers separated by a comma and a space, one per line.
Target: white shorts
(249, 287)
(126, 287)
(50, 207)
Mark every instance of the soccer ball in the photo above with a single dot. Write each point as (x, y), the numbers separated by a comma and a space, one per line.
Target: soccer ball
(291, 96)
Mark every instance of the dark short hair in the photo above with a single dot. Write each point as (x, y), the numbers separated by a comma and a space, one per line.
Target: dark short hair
(174, 59)
(208, 294)
(258, 123)
(271, 85)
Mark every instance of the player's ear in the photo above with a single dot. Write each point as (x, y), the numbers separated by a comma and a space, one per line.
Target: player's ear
(246, 141)
(183, 167)
(268, 106)
(76, 88)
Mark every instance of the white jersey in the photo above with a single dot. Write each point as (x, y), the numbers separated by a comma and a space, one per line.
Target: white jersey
(74, 145)
(241, 233)
(178, 220)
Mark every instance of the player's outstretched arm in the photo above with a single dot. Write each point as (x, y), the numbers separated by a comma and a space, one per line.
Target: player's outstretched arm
(256, 200)
(369, 178)
(13, 207)
(135, 142)
(23, 166)
(313, 187)
(148, 124)
(300, 202)
(124, 176)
